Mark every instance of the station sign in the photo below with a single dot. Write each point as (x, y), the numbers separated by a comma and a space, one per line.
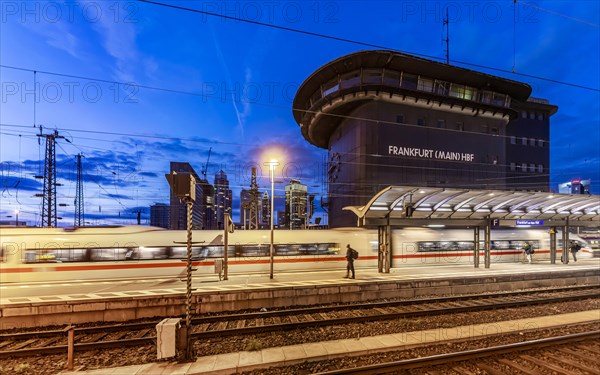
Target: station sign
(530, 222)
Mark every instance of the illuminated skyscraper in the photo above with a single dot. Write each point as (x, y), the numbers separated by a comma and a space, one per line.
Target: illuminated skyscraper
(265, 210)
(222, 198)
(296, 195)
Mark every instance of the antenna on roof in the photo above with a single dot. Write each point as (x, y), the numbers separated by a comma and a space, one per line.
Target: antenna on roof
(447, 39)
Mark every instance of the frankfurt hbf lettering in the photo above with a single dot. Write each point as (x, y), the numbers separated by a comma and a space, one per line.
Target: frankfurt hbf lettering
(430, 154)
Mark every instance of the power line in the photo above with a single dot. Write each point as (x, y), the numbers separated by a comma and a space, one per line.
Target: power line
(360, 43)
(535, 6)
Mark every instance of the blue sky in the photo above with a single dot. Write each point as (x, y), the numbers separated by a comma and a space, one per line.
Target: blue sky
(133, 86)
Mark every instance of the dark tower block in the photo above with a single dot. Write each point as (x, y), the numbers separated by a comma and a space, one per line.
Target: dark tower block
(388, 118)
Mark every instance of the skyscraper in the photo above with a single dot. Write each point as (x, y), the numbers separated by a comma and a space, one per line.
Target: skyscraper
(295, 205)
(207, 204)
(265, 210)
(159, 215)
(222, 198)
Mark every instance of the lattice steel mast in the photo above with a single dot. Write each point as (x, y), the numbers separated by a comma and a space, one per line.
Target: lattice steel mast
(79, 211)
(49, 192)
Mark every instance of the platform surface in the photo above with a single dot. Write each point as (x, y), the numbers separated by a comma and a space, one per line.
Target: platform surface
(11, 294)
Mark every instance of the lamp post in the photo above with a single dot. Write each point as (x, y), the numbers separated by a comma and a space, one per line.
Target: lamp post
(272, 165)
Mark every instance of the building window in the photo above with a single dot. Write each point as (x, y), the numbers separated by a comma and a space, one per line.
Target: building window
(540, 143)
(531, 167)
(469, 93)
(457, 91)
(400, 119)
(540, 116)
(421, 121)
(524, 114)
(494, 131)
(425, 84)
(500, 100)
(441, 124)
(531, 115)
(513, 166)
(531, 142)
(442, 88)
(486, 97)
(409, 81)
(513, 140)
(524, 141)
(540, 168)
(460, 126)
(523, 167)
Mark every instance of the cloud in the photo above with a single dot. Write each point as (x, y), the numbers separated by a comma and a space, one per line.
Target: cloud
(119, 41)
(13, 184)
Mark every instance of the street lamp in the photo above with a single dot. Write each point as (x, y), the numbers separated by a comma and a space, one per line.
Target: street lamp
(272, 165)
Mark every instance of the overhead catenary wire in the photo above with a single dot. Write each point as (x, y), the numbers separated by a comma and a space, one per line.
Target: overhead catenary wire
(356, 42)
(579, 20)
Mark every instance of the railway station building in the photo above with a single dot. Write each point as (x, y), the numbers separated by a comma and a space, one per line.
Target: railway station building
(388, 118)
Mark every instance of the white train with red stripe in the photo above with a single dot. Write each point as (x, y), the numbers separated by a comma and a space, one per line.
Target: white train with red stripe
(59, 254)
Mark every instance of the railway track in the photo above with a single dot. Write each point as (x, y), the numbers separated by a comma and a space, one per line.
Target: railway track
(134, 334)
(561, 354)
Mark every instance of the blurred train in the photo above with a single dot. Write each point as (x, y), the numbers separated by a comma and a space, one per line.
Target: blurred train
(69, 254)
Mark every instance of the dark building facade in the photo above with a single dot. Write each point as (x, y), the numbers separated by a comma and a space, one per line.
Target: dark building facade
(159, 215)
(222, 198)
(528, 146)
(207, 202)
(202, 211)
(389, 118)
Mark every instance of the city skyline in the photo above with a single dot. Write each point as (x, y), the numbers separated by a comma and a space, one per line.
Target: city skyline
(131, 98)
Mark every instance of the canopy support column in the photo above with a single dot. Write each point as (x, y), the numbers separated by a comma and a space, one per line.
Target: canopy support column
(476, 248)
(384, 261)
(565, 242)
(488, 244)
(552, 245)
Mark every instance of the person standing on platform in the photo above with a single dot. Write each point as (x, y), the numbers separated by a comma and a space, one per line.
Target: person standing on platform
(575, 247)
(351, 254)
(528, 249)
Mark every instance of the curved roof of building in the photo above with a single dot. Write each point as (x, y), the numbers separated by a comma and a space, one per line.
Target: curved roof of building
(408, 63)
(303, 107)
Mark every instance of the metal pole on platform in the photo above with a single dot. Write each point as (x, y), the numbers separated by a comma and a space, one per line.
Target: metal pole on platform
(476, 248)
(488, 245)
(552, 245)
(272, 165)
(565, 244)
(188, 299)
(184, 186)
(226, 245)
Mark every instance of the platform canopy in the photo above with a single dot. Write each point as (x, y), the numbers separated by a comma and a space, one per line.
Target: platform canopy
(415, 206)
